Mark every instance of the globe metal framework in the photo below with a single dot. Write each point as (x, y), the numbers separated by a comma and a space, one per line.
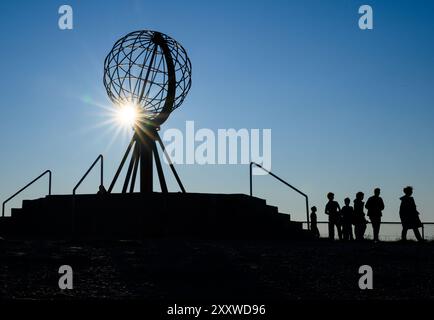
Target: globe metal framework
(151, 71)
(148, 69)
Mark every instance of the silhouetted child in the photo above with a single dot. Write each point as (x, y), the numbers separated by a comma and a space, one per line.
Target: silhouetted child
(347, 214)
(359, 216)
(332, 209)
(314, 222)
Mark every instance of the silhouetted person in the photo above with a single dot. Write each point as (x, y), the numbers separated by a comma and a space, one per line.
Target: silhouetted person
(409, 215)
(359, 220)
(102, 190)
(314, 222)
(347, 213)
(332, 209)
(375, 206)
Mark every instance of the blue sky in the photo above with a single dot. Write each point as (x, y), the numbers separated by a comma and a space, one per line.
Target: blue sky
(349, 109)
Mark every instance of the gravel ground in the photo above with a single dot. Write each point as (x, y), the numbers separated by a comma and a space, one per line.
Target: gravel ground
(199, 270)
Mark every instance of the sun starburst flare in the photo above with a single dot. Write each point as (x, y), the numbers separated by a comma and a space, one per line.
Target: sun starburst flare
(126, 115)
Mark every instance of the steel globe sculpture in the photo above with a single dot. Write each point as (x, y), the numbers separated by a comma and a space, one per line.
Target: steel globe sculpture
(152, 72)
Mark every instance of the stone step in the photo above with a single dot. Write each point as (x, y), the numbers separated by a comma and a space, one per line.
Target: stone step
(16, 212)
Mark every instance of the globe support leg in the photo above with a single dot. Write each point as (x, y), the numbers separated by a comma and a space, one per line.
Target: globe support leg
(146, 164)
(132, 166)
(172, 167)
(124, 158)
(163, 184)
(136, 166)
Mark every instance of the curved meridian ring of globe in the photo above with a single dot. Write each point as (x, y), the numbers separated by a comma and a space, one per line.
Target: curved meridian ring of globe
(136, 72)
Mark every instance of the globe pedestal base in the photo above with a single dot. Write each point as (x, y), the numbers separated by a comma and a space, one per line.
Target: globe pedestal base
(145, 150)
(155, 214)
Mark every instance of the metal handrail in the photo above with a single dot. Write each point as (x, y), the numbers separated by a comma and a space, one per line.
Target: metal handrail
(386, 222)
(100, 157)
(285, 183)
(26, 186)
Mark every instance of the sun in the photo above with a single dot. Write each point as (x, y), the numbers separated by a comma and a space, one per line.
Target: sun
(126, 115)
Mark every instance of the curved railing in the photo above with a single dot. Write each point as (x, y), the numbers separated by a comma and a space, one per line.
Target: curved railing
(285, 183)
(26, 186)
(99, 158)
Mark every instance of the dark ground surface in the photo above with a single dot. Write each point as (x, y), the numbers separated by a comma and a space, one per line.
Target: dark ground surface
(194, 270)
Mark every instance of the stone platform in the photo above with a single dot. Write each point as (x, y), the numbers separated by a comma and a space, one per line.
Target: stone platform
(138, 216)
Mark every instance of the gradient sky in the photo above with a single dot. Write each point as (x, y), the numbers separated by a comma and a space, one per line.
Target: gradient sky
(349, 109)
